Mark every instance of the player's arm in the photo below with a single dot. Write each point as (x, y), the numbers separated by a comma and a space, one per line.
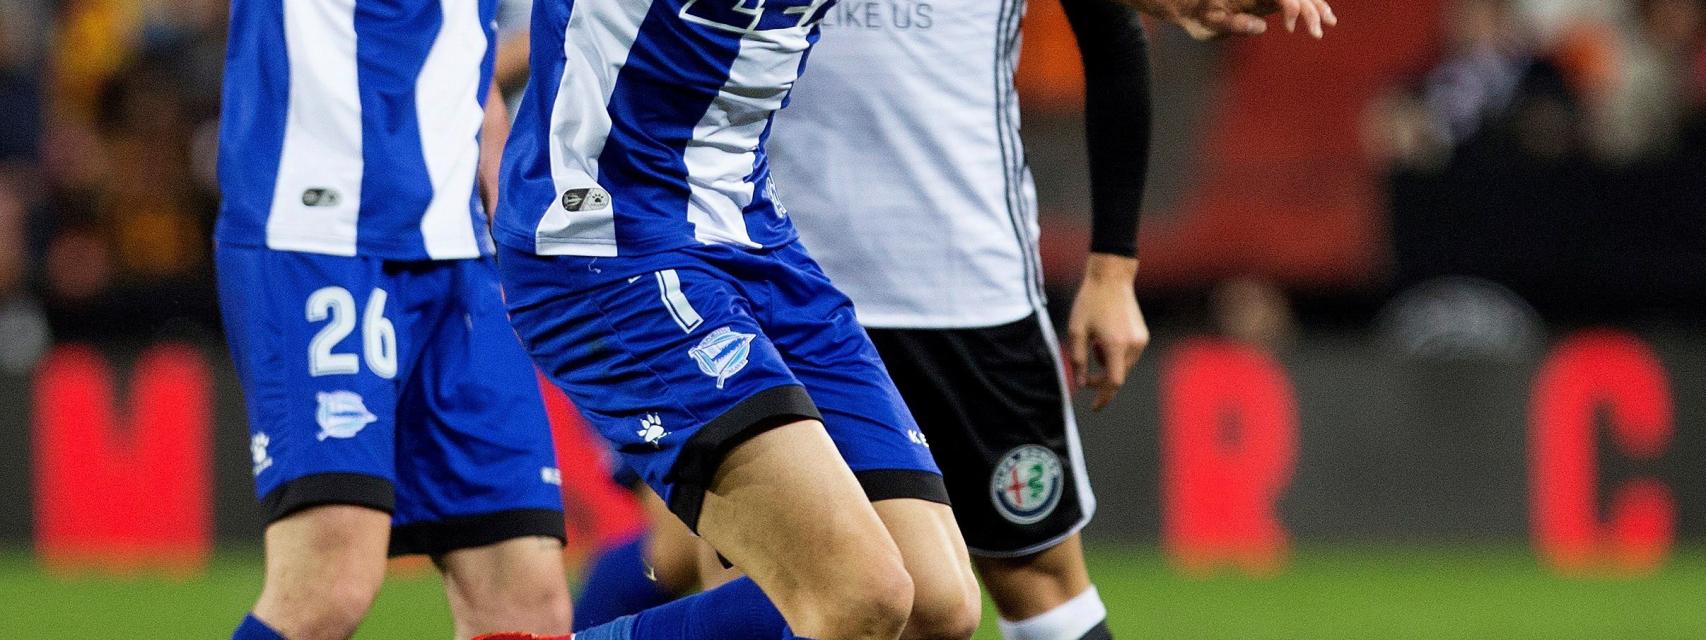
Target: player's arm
(1207, 19)
(493, 132)
(1106, 320)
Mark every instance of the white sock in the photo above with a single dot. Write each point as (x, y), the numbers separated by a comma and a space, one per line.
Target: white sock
(1069, 621)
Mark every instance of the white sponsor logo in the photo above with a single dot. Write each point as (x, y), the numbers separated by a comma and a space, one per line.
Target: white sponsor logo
(651, 429)
(917, 438)
(1027, 485)
(258, 451)
(551, 475)
(342, 414)
(723, 353)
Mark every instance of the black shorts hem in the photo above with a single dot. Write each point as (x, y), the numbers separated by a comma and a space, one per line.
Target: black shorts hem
(700, 456)
(1016, 548)
(891, 484)
(318, 489)
(444, 536)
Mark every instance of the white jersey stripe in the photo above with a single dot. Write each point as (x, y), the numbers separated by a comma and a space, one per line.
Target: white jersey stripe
(680, 308)
(580, 123)
(724, 147)
(447, 106)
(318, 189)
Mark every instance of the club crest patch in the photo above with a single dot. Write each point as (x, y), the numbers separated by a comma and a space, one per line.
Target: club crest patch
(1026, 486)
(342, 414)
(723, 353)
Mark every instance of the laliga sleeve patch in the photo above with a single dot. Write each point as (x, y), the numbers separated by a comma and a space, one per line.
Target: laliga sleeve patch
(1027, 484)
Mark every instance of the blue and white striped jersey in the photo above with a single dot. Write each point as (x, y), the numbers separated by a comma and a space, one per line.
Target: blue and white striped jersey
(643, 128)
(351, 127)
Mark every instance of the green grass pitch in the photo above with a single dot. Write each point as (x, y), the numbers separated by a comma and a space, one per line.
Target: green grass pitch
(1325, 593)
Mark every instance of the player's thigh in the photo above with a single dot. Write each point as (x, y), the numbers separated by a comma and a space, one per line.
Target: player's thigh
(321, 404)
(993, 405)
(476, 464)
(788, 512)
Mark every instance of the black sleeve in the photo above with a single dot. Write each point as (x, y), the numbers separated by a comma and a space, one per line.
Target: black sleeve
(1116, 115)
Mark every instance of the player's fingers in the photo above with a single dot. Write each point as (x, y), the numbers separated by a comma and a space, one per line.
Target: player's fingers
(1199, 31)
(1134, 351)
(1245, 24)
(1078, 354)
(1290, 10)
(1104, 396)
(1115, 364)
(1312, 18)
(1327, 16)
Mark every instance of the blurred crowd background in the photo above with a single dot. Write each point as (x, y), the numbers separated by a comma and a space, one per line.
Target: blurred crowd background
(1543, 157)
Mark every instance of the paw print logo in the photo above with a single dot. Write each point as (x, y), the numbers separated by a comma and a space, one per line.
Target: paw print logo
(258, 452)
(651, 429)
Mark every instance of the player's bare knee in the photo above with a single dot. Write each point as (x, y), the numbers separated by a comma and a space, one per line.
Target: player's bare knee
(327, 611)
(943, 614)
(535, 604)
(868, 600)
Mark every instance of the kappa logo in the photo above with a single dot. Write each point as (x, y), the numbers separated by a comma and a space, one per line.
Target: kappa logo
(589, 199)
(651, 430)
(258, 451)
(320, 197)
(723, 353)
(342, 414)
(1027, 484)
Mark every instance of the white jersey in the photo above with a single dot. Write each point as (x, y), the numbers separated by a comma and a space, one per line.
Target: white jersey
(899, 159)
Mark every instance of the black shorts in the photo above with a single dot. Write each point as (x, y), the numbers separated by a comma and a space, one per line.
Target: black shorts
(993, 404)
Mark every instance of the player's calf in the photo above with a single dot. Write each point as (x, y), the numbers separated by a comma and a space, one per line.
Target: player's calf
(1046, 595)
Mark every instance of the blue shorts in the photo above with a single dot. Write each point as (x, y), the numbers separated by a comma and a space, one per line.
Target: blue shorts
(677, 357)
(392, 385)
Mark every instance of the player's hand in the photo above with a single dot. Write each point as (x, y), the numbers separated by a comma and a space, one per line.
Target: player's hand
(1106, 321)
(1211, 19)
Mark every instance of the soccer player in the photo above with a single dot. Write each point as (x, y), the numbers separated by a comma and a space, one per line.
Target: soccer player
(392, 409)
(652, 274)
(902, 162)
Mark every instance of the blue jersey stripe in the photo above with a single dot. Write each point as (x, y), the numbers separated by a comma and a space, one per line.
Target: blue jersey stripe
(673, 72)
(488, 68)
(255, 97)
(393, 38)
(526, 170)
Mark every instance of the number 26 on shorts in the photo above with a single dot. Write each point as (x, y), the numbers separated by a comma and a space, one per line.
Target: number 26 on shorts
(378, 335)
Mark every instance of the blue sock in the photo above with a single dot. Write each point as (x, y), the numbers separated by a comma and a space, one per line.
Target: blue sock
(735, 611)
(618, 585)
(253, 629)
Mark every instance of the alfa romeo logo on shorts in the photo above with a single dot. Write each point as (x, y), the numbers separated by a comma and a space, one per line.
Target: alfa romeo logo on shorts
(1027, 484)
